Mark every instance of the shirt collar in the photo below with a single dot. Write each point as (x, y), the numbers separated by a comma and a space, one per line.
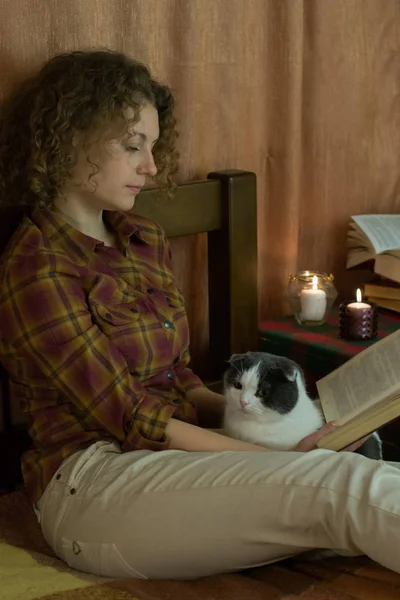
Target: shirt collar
(54, 227)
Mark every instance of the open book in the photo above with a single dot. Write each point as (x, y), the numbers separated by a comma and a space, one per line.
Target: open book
(375, 237)
(363, 394)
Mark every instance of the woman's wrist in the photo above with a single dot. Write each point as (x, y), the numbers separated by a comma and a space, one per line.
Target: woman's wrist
(184, 436)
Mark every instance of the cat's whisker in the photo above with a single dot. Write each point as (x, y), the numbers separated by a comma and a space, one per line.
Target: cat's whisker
(264, 377)
(240, 371)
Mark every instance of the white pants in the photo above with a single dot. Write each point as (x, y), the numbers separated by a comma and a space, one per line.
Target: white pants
(176, 514)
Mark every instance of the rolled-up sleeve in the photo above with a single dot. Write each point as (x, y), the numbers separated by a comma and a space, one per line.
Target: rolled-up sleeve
(145, 427)
(187, 380)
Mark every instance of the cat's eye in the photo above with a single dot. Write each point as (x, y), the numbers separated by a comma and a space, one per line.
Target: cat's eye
(237, 385)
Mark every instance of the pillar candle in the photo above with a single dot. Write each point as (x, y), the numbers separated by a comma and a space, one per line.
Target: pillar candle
(313, 302)
(354, 308)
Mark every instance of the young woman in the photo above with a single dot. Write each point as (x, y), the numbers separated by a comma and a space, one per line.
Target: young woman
(94, 336)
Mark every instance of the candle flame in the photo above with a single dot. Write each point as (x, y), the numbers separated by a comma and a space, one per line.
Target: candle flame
(358, 295)
(307, 273)
(315, 282)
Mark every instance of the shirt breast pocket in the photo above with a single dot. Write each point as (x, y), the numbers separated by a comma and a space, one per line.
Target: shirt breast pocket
(174, 298)
(118, 320)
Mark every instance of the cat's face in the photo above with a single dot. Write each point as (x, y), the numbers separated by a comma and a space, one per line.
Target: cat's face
(257, 382)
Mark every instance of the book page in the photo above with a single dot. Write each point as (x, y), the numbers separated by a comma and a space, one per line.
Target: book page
(358, 428)
(383, 231)
(357, 257)
(386, 266)
(356, 240)
(367, 379)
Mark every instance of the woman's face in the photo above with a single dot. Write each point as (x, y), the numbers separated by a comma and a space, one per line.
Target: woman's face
(124, 164)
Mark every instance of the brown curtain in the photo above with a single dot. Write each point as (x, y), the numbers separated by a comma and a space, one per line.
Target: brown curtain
(303, 92)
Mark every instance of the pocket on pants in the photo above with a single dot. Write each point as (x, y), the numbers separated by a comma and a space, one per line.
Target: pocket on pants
(97, 558)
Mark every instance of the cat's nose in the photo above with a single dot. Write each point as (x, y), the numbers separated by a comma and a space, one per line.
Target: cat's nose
(243, 403)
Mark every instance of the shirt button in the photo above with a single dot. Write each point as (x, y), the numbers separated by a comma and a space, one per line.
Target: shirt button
(167, 324)
(150, 291)
(72, 491)
(170, 375)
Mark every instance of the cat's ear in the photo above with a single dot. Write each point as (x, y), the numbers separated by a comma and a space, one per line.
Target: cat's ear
(234, 358)
(285, 374)
(291, 375)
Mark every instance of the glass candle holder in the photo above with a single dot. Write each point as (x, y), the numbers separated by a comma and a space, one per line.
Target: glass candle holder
(311, 295)
(358, 321)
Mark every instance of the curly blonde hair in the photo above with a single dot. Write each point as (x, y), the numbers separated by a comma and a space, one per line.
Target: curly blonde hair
(81, 91)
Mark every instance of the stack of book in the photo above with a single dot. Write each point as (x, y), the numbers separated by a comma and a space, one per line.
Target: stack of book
(384, 293)
(375, 240)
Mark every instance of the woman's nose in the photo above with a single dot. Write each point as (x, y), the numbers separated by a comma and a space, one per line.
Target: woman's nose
(148, 166)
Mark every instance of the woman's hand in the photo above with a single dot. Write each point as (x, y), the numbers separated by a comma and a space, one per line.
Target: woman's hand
(310, 441)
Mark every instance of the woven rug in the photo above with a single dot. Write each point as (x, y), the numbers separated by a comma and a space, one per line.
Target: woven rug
(29, 570)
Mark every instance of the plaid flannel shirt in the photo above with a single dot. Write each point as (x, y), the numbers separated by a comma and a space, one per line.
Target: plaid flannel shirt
(94, 339)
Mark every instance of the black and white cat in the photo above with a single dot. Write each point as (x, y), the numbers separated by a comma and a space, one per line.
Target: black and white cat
(267, 404)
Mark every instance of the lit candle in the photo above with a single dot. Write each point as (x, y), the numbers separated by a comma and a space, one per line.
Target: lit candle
(313, 302)
(358, 320)
(353, 307)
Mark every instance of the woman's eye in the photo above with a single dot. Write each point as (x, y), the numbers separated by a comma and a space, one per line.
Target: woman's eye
(133, 149)
(237, 385)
